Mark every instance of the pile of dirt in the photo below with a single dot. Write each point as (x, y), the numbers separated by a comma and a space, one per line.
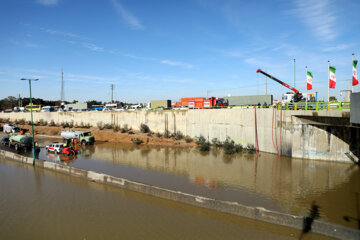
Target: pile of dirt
(109, 135)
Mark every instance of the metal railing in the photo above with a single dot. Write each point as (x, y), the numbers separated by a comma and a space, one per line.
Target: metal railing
(315, 106)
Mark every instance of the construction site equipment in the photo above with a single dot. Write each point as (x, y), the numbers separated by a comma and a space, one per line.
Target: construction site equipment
(82, 137)
(20, 142)
(287, 97)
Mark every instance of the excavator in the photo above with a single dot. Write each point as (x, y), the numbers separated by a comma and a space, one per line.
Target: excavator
(288, 97)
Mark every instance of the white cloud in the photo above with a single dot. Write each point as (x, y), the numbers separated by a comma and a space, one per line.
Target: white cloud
(127, 16)
(176, 64)
(319, 16)
(339, 47)
(93, 47)
(48, 2)
(64, 34)
(32, 45)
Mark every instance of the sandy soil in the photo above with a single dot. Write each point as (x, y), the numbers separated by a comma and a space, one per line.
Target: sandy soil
(109, 135)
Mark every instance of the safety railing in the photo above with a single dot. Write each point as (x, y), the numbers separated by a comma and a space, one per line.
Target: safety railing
(315, 106)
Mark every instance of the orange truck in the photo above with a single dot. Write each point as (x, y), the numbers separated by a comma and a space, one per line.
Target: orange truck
(200, 102)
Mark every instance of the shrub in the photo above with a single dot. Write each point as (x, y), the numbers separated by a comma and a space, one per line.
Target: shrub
(188, 139)
(205, 147)
(250, 148)
(200, 140)
(230, 147)
(116, 128)
(42, 122)
(159, 135)
(108, 126)
(52, 123)
(166, 134)
(178, 135)
(216, 142)
(137, 141)
(144, 128)
(65, 124)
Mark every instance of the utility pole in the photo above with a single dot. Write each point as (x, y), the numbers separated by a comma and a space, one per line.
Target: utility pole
(112, 90)
(294, 73)
(328, 80)
(20, 103)
(352, 89)
(62, 87)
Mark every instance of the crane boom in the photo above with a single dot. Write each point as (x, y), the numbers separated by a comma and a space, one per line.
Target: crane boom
(277, 80)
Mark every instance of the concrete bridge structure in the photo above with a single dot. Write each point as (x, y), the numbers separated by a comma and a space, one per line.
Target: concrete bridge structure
(321, 135)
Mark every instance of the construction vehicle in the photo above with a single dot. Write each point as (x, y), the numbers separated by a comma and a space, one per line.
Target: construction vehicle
(289, 96)
(82, 137)
(200, 102)
(20, 141)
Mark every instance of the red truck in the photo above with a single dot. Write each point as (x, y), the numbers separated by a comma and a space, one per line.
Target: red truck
(200, 102)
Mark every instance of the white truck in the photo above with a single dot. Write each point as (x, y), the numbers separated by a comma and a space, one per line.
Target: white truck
(11, 128)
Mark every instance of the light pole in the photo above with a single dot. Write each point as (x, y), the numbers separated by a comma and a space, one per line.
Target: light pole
(32, 123)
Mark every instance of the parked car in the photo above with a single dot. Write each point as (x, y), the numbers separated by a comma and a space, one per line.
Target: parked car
(55, 147)
(69, 151)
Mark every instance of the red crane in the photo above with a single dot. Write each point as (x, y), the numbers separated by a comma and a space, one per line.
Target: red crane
(297, 96)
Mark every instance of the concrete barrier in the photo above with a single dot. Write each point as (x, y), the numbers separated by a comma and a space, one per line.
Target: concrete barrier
(294, 132)
(234, 208)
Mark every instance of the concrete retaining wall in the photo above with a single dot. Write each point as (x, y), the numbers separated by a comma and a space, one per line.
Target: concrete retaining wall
(234, 208)
(282, 130)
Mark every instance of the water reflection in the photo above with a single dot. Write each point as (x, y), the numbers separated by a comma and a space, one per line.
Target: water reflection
(266, 180)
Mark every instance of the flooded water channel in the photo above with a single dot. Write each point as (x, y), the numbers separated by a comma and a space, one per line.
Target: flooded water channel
(40, 204)
(266, 180)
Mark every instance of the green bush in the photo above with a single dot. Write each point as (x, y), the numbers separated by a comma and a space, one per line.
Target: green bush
(205, 147)
(200, 140)
(137, 141)
(159, 135)
(52, 123)
(250, 148)
(144, 128)
(230, 147)
(216, 142)
(179, 135)
(188, 139)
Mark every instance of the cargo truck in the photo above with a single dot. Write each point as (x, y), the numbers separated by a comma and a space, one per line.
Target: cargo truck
(83, 137)
(20, 142)
(200, 102)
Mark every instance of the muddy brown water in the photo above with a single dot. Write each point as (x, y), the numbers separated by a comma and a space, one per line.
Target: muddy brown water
(40, 204)
(265, 180)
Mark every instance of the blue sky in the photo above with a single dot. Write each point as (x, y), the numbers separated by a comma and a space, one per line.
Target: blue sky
(171, 49)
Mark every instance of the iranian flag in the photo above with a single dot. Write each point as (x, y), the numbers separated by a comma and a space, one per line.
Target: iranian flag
(332, 80)
(355, 79)
(309, 78)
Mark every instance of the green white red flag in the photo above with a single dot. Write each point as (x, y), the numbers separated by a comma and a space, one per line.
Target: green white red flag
(309, 79)
(332, 77)
(354, 78)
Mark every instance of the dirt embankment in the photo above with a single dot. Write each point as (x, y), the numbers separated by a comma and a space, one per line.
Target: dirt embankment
(109, 135)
